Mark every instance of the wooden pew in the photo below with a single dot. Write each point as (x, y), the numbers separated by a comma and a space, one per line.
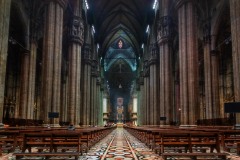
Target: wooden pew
(204, 139)
(55, 142)
(1, 144)
(42, 140)
(166, 139)
(67, 140)
(48, 144)
(183, 140)
(194, 156)
(9, 140)
(229, 138)
(48, 155)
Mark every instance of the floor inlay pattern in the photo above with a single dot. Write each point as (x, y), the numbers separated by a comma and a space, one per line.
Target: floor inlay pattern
(119, 145)
(140, 149)
(119, 148)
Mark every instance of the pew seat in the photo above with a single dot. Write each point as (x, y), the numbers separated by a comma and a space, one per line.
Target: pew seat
(194, 156)
(47, 155)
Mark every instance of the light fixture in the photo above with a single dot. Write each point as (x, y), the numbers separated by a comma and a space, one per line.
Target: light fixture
(86, 3)
(154, 4)
(120, 86)
(93, 29)
(147, 29)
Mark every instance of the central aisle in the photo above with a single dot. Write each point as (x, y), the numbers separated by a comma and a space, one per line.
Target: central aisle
(120, 145)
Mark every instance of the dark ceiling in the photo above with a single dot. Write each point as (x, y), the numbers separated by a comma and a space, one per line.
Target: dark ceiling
(120, 30)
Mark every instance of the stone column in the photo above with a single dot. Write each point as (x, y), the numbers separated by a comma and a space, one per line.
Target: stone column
(188, 60)
(211, 75)
(52, 55)
(146, 93)
(24, 84)
(98, 106)
(153, 59)
(28, 58)
(93, 87)
(86, 85)
(31, 79)
(76, 38)
(165, 60)
(215, 84)
(207, 72)
(141, 101)
(235, 27)
(4, 30)
(93, 91)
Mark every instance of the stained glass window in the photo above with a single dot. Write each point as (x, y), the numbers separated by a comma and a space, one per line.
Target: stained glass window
(120, 44)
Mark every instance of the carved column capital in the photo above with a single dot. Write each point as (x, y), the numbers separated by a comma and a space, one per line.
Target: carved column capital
(179, 3)
(87, 54)
(141, 80)
(146, 68)
(99, 80)
(164, 29)
(94, 69)
(153, 58)
(76, 30)
(62, 3)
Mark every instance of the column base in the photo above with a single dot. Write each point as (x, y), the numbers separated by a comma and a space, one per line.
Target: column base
(188, 126)
(164, 125)
(1, 125)
(51, 125)
(237, 126)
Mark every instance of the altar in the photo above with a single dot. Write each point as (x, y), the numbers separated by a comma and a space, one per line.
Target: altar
(120, 114)
(120, 125)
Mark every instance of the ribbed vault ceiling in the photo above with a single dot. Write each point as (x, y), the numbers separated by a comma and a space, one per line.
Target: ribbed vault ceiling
(115, 21)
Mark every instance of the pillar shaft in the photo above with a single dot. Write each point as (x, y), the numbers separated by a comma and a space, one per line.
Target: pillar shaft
(235, 27)
(215, 85)
(52, 55)
(153, 59)
(24, 85)
(164, 39)
(188, 60)
(4, 30)
(93, 109)
(87, 86)
(146, 93)
(208, 78)
(31, 80)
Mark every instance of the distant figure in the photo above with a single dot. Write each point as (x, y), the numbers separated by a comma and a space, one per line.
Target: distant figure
(71, 127)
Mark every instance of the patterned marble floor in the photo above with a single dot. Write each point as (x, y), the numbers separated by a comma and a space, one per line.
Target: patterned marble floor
(122, 146)
(119, 145)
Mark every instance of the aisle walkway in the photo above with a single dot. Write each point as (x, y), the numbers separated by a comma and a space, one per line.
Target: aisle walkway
(119, 145)
(122, 146)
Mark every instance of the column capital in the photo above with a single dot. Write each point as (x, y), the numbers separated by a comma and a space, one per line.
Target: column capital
(141, 81)
(179, 3)
(94, 68)
(62, 3)
(99, 80)
(153, 50)
(164, 29)
(87, 54)
(146, 68)
(76, 30)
